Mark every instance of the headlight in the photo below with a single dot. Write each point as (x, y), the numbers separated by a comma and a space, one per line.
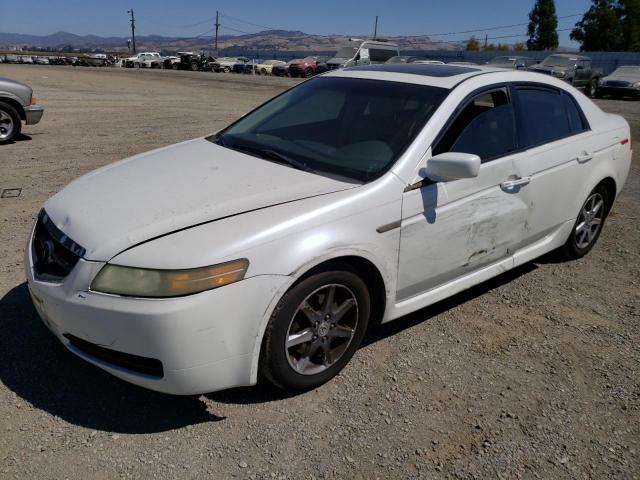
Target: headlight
(601, 81)
(559, 73)
(636, 85)
(143, 282)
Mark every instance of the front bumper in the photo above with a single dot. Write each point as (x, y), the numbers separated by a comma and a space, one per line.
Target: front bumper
(204, 342)
(33, 114)
(619, 91)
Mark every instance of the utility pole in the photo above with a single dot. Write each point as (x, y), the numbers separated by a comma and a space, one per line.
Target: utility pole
(133, 29)
(217, 27)
(375, 28)
(486, 41)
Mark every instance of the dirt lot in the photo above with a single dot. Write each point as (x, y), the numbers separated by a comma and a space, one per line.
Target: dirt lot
(534, 374)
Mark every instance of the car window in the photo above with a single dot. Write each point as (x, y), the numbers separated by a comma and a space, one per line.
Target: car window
(577, 123)
(544, 115)
(485, 127)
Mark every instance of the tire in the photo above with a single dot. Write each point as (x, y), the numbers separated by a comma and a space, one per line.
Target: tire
(322, 340)
(194, 66)
(226, 69)
(592, 88)
(308, 73)
(576, 247)
(10, 123)
(175, 66)
(263, 71)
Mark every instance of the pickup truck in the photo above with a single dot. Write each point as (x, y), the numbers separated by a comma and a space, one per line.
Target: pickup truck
(574, 69)
(17, 105)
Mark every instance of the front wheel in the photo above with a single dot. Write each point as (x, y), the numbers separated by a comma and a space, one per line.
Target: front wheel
(592, 89)
(10, 124)
(315, 329)
(588, 225)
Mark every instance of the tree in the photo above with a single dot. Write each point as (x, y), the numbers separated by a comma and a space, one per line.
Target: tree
(600, 28)
(473, 45)
(543, 25)
(520, 47)
(629, 11)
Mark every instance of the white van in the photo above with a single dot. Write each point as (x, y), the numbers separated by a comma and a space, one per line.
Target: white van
(363, 52)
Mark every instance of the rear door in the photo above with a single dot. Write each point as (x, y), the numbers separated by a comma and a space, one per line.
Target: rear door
(452, 228)
(558, 144)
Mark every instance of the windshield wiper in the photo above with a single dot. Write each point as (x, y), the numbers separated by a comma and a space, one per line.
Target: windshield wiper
(281, 158)
(266, 153)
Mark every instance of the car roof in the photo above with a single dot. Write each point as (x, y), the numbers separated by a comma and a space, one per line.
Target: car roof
(444, 76)
(569, 55)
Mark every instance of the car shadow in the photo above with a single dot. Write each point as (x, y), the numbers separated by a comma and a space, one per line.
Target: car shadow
(20, 138)
(40, 371)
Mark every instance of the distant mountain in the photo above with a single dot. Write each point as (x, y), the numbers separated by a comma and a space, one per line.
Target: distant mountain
(281, 40)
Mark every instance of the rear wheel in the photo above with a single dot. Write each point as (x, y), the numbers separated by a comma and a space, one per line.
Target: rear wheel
(589, 224)
(315, 329)
(195, 66)
(10, 124)
(308, 72)
(226, 69)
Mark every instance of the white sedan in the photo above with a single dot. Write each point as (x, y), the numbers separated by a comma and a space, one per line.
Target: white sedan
(352, 199)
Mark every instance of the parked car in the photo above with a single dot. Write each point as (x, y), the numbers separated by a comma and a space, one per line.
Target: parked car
(515, 62)
(41, 60)
(574, 69)
(226, 64)
(282, 70)
(308, 66)
(11, 59)
(623, 81)
(246, 67)
(462, 64)
(266, 67)
(413, 59)
(272, 245)
(17, 105)
(194, 62)
(148, 60)
(172, 62)
(363, 52)
(26, 59)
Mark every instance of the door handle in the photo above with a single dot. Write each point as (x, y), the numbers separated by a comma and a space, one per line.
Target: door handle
(584, 157)
(517, 182)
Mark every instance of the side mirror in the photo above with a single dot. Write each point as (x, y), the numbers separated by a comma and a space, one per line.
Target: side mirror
(452, 166)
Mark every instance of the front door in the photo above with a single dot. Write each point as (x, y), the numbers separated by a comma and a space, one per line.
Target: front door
(452, 228)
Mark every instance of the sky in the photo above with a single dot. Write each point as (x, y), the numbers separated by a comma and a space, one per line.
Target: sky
(191, 18)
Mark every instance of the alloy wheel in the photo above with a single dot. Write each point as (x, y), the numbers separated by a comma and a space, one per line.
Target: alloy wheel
(321, 329)
(589, 221)
(6, 125)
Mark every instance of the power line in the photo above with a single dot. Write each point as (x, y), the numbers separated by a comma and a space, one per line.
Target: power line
(487, 29)
(249, 23)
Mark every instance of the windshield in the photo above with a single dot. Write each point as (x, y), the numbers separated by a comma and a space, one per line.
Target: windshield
(558, 61)
(355, 128)
(634, 71)
(506, 61)
(346, 52)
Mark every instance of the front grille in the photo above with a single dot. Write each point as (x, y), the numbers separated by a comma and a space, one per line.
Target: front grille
(135, 363)
(616, 83)
(54, 253)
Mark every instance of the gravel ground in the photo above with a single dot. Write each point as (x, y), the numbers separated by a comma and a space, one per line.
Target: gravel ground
(534, 374)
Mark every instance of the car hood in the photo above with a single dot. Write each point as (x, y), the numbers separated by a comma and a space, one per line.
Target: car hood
(177, 187)
(624, 77)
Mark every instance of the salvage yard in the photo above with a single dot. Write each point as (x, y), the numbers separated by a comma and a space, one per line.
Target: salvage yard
(533, 374)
